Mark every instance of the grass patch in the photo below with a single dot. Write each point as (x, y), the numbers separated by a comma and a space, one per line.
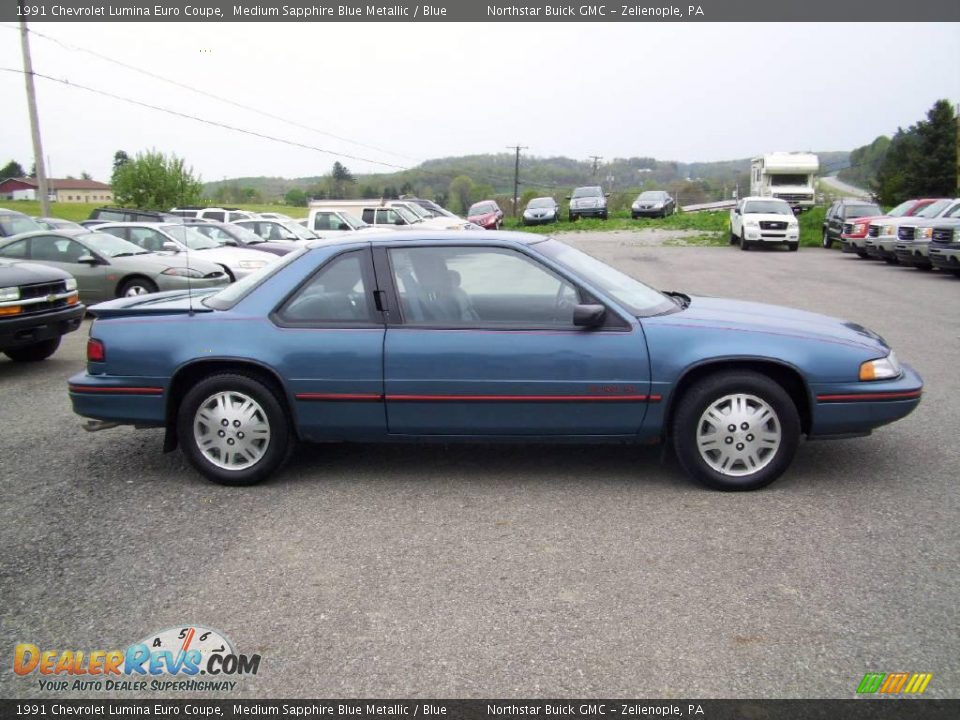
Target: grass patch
(717, 221)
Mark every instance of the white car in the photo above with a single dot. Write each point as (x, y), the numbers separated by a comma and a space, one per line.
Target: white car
(328, 223)
(160, 237)
(764, 221)
(278, 229)
(273, 216)
(883, 234)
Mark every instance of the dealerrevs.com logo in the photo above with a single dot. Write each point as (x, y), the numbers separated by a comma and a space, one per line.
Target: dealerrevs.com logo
(191, 658)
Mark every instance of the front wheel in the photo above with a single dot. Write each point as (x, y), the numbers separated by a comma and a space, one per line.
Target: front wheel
(827, 242)
(233, 429)
(744, 245)
(862, 254)
(793, 246)
(34, 353)
(571, 217)
(137, 286)
(735, 430)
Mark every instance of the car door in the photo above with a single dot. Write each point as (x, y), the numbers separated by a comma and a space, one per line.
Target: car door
(65, 253)
(481, 342)
(329, 346)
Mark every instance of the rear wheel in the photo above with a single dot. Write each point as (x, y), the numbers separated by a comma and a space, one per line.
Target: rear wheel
(233, 429)
(34, 353)
(735, 430)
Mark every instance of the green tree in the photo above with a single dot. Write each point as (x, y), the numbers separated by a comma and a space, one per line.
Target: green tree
(894, 181)
(461, 194)
(342, 181)
(86, 176)
(935, 165)
(295, 197)
(12, 169)
(120, 158)
(152, 181)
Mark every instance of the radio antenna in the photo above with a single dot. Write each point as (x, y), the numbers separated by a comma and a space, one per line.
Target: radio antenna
(189, 271)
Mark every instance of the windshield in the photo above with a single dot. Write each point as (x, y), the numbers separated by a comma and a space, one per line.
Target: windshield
(544, 202)
(190, 237)
(933, 209)
(587, 192)
(299, 230)
(416, 210)
(633, 295)
(788, 179)
(858, 211)
(772, 207)
(653, 195)
(111, 245)
(352, 220)
(224, 233)
(483, 208)
(406, 214)
(16, 224)
(235, 292)
(902, 208)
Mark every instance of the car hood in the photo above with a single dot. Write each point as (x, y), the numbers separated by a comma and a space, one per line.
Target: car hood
(540, 211)
(777, 320)
(16, 272)
(232, 255)
(481, 219)
(160, 261)
(930, 222)
(770, 217)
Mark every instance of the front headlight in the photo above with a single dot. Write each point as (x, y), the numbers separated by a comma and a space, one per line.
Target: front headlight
(858, 228)
(888, 230)
(923, 233)
(9, 294)
(183, 272)
(886, 368)
(635, 206)
(251, 264)
(751, 224)
(71, 284)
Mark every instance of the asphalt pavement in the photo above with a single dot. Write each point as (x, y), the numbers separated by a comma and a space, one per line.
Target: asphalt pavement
(513, 571)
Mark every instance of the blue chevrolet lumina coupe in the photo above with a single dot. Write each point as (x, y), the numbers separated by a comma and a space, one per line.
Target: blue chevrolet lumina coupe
(451, 336)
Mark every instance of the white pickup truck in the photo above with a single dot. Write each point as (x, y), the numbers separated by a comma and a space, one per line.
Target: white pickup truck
(763, 221)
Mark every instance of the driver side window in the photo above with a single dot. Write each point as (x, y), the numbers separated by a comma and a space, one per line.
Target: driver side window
(480, 287)
(339, 293)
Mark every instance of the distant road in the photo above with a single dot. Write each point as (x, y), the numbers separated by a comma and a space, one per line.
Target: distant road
(843, 187)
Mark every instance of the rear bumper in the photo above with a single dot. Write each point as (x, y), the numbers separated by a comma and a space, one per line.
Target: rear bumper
(127, 400)
(858, 408)
(29, 329)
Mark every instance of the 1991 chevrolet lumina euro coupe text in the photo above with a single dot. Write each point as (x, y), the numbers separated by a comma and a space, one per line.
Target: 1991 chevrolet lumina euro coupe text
(508, 336)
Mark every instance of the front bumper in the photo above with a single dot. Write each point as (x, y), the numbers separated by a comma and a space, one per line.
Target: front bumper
(589, 212)
(915, 254)
(852, 243)
(857, 408)
(175, 282)
(946, 258)
(881, 248)
(19, 331)
(544, 220)
(647, 212)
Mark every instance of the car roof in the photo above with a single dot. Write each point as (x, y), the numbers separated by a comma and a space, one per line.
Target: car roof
(441, 237)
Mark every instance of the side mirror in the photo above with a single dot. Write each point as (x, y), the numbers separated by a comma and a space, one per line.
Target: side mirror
(87, 260)
(344, 227)
(171, 246)
(400, 221)
(589, 315)
(736, 211)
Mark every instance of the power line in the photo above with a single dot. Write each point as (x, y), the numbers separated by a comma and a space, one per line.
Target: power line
(207, 94)
(214, 123)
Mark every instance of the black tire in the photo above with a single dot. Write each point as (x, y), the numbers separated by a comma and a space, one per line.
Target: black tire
(633, 216)
(734, 240)
(891, 261)
(277, 449)
(708, 391)
(34, 353)
(744, 245)
(793, 246)
(827, 242)
(862, 254)
(603, 216)
(144, 285)
(571, 217)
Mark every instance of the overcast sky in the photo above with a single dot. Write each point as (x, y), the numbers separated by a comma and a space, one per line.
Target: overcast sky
(671, 91)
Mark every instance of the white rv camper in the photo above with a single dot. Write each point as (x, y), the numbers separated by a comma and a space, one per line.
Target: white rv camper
(789, 176)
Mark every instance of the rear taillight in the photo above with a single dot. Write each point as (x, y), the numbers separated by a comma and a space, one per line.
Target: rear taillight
(96, 352)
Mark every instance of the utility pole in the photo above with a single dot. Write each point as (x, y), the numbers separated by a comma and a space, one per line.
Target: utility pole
(516, 175)
(596, 163)
(34, 121)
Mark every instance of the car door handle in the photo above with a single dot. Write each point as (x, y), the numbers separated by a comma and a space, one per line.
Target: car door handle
(380, 300)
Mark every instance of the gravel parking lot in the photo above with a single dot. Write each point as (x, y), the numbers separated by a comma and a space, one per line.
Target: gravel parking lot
(479, 571)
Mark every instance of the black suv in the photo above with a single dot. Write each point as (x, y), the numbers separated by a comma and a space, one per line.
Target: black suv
(38, 305)
(843, 210)
(109, 214)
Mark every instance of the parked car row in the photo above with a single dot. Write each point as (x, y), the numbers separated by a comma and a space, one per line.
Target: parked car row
(923, 233)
